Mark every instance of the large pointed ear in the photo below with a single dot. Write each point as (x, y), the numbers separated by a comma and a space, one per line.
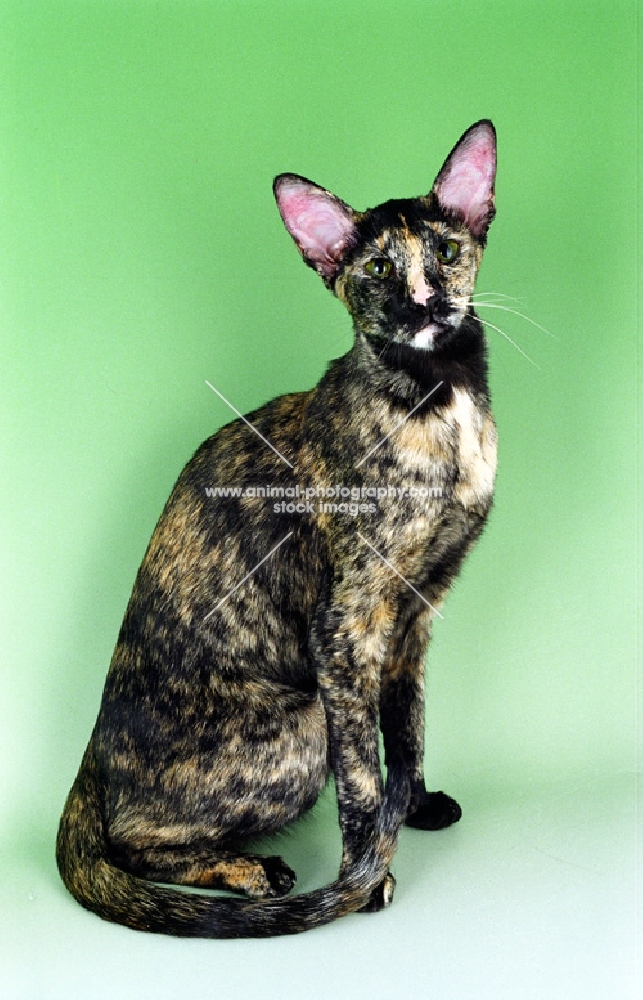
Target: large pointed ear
(465, 185)
(321, 225)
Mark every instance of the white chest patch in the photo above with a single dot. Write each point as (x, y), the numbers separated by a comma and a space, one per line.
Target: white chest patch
(458, 435)
(477, 450)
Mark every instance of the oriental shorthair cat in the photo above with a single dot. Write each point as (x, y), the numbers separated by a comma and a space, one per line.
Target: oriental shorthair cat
(267, 643)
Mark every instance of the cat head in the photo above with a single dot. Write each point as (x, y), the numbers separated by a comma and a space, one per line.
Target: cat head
(406, 269)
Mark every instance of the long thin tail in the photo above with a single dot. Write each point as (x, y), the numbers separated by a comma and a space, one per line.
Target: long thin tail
(82, 854)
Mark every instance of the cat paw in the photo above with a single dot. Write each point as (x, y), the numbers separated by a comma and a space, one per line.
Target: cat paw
(279, 876)
(381, 896)
(435, 811)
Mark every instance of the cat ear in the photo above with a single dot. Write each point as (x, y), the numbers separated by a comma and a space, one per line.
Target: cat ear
(321, 225)
(465, 185)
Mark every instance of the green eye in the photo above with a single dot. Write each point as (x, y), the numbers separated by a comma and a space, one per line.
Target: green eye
(379, 267)
(448, 251)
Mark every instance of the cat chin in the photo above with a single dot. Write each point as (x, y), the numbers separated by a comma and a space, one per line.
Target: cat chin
(428, 337)
(424, 339)
(434, 336)
(431, 337)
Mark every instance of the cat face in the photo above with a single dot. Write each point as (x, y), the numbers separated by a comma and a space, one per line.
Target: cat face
(406, 269)
(409, 278)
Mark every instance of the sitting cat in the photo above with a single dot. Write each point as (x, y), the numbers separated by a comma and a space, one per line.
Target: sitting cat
(265, 646)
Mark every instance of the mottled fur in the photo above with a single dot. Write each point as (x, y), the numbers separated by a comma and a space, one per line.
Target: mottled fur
(216, 725)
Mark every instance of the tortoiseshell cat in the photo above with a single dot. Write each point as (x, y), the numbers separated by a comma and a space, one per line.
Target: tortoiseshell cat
(265, 644)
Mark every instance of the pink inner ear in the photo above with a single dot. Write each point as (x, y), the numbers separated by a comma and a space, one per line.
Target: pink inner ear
(320, 224)
(465, 183)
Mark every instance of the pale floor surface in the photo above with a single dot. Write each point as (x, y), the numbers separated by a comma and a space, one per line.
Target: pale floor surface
(532, 896)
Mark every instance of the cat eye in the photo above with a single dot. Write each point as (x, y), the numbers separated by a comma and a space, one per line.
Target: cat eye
(379, 267)
(448, 251)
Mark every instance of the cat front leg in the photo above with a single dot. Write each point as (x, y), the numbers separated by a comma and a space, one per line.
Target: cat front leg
(402, 717)
(350, 700)
(347, 642)
(350, 703)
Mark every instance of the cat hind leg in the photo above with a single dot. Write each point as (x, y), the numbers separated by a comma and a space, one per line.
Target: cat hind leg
(209, 867)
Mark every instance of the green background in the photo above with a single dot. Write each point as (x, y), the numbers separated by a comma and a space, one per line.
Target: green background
(141, 253)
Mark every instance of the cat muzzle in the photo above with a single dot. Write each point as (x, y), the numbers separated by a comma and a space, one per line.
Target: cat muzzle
(437, 323)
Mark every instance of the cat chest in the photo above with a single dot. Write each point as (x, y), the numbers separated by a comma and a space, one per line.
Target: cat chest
(452, 453)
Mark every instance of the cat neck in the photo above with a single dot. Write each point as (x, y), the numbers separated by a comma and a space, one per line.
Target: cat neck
(407, 374)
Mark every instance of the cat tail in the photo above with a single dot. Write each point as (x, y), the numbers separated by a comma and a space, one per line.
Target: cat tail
(82, 855)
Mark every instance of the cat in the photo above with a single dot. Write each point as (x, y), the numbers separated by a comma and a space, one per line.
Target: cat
(267, 642)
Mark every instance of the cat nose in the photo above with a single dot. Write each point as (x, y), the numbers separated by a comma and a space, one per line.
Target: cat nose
(421, 291)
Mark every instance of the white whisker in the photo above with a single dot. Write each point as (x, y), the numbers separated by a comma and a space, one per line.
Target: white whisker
(494, 305)
(498, 295)
(503, 334)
